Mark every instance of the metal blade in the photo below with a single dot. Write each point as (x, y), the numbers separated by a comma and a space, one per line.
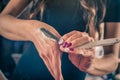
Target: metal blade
(49, 34)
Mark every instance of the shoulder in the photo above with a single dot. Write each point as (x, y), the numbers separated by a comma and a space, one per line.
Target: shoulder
(112, 11)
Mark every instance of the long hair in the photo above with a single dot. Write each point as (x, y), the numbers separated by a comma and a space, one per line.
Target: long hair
(93, 14)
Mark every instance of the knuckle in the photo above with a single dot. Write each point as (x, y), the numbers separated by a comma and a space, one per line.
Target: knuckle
(85, 34)
(74, 31)
(86, 38)
(77, 32)
(65, 36)
(80, 34)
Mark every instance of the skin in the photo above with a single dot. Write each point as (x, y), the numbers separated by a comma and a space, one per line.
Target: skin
(28, 30)
(99, 67)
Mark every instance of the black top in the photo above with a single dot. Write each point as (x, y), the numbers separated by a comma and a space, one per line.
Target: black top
(64, 16)
(113, 11)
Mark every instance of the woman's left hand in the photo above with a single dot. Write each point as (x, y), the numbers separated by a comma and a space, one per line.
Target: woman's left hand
(73, 40)
(81, 58)
(84, 59)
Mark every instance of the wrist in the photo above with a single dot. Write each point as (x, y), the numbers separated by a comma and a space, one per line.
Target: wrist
(31, 29)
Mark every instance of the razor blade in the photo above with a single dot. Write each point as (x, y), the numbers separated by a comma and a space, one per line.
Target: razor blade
(49, 34)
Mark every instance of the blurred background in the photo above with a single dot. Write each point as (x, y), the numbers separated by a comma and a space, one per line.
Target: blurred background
(11, 51)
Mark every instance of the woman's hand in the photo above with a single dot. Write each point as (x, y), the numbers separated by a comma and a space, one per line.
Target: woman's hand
(75, 39)
(81, 58)
(47, 48)
(87, 62)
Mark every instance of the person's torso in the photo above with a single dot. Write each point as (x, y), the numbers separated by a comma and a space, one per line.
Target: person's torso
(64, 15)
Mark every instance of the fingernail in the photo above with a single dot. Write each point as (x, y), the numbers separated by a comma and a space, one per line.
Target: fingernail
(64, 44)
(71, 49)
(69, 44)
(61, 41)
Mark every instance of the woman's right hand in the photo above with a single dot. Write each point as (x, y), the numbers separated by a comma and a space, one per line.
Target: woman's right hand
(81, 58)
(73, 40)
(47, 48)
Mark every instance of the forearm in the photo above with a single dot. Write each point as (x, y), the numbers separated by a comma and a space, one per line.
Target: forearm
(106, 64)
(17, 29)
(111, 58)
(110, 61)
(13, 28)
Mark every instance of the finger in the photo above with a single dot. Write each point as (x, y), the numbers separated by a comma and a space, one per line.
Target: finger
(75, 43)
(48, 63)
(66, 49)
(80, 41)
(84, 52)
(66, 36)
(89, 52)
(74, 36)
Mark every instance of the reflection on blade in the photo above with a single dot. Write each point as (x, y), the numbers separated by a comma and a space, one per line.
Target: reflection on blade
(49, 34)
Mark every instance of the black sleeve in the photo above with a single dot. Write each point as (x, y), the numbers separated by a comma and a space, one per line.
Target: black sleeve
(113, 11)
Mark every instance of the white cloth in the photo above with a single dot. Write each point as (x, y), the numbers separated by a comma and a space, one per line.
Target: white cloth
(99, 52)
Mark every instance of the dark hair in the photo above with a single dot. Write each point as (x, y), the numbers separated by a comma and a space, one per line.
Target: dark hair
(93, 14)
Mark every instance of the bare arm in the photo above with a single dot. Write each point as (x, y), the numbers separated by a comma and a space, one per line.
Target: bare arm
(29, 30)
(110, 61)
(14, 7)
(11, 27)
(18, 29)
(112, 31)
(93, 65)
